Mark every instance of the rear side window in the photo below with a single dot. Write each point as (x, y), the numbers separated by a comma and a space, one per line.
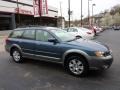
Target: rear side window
(29, 34)
(75, 30)
(16, 34)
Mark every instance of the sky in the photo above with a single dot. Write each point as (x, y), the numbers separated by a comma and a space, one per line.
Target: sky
(101, 5)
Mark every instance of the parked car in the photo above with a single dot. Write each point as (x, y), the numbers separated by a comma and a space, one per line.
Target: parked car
(116, 27)
(80, 31)
(97, 29)
(90, 28)
(55, 45)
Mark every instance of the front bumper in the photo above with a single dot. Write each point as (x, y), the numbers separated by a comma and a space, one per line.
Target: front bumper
(100, 62)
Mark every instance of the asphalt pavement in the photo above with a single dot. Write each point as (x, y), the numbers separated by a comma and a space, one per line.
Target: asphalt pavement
(37, 75)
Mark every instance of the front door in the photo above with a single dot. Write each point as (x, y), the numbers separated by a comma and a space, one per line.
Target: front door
(46, 49)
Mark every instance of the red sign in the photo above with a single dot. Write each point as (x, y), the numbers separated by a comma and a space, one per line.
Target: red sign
(44, 7)
(22, 11)
(40, 8)
(36, 8)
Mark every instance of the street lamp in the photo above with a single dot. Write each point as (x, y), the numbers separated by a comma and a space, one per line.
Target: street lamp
(93, 13)
(89, 11)
(69, 12)
(81, 13)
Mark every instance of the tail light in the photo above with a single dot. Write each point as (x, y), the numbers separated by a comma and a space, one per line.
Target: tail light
(92, 30)
(89, 33)
(6, 40)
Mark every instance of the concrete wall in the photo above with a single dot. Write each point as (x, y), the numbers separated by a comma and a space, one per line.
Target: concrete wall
(27, 9)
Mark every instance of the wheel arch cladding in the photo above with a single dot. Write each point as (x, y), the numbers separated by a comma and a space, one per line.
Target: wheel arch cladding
(15, 46)
(76, 53)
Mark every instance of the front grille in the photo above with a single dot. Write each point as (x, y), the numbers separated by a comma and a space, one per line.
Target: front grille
(106, 53)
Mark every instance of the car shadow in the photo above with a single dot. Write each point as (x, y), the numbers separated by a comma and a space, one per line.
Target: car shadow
(45, 65)
(58, 68)
(95, 73)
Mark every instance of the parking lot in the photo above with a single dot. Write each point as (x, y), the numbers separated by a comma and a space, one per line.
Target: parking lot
(37, 75)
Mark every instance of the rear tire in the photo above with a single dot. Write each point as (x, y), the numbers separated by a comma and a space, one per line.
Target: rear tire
(16, 55)
(76, 66)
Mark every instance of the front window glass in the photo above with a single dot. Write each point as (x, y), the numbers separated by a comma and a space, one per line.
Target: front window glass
(43, 35)
(75, 30)
(70, 30)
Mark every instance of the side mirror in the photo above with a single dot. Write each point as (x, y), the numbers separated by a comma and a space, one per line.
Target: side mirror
(52, 40)
(78, 37)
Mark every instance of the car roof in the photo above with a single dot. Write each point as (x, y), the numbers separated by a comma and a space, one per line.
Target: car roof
(38, 28)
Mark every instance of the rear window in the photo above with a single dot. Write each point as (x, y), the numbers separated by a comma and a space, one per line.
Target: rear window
(16, 34)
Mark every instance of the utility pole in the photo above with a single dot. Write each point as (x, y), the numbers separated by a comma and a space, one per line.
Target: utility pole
(93, 13)
(69, 12)
(61, 16)
(89, 12)
(81, 13)
(40, 12)
(60, 9)
(18, 12)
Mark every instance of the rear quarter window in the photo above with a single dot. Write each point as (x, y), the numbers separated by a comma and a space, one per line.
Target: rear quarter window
(16, 34)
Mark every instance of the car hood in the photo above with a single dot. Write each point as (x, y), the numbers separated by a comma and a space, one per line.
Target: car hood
(89, 44)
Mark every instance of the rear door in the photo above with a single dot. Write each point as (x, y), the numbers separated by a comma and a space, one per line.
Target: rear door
(28, 42)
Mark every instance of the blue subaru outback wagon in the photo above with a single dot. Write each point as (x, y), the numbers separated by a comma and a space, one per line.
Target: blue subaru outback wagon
(55, 45)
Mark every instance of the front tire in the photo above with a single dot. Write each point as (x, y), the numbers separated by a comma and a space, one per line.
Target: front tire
(17, 56)
(76, 66)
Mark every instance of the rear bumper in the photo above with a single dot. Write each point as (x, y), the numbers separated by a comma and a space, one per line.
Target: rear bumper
(101, 62)
(7, 48)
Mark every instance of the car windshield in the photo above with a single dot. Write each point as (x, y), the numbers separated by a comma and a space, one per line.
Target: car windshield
(63, 35)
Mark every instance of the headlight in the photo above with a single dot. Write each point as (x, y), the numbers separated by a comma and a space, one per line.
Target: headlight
(99, 54)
